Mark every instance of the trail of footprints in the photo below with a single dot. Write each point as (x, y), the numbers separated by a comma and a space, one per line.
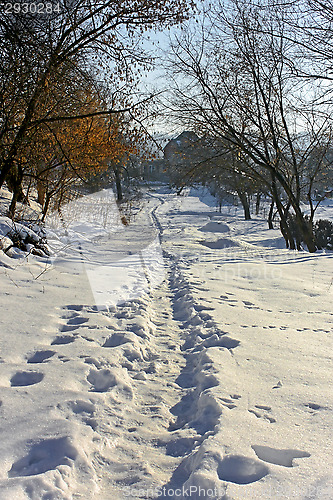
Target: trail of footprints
(77, 324)
(229, 299)
(77, 320)
(198, 412)
(138, 362)
(26, 378)
(131, 364)
(197, 375)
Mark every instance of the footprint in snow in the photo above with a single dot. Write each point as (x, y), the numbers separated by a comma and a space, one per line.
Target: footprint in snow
(241, 470)
(91, 361)
(278, 457)
(140, 376)
(74, 307)
(77, 320)
(265, 415)
(179, 446)
(116, 340)
(263, 407)
(40, 356)
(88, 339)
(314, 406)
(80, 406)
(83, 410)
(23, 379)
(228, 342)
(44, 456)
(229, 403)
(200, 308)
(69, 328)
(216, 341)
(74, 323)
(126, 314)
(104, 379)
(63, 339)
(250, 305)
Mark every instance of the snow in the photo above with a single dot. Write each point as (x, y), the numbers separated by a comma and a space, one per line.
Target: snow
(215, 227)
(147, 362)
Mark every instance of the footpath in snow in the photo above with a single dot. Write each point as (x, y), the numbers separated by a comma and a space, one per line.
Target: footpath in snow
(186, 355)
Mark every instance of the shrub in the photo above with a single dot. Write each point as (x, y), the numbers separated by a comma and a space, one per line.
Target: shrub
(323, 231)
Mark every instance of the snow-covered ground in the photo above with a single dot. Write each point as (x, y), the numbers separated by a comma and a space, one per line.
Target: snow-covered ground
(186, 355)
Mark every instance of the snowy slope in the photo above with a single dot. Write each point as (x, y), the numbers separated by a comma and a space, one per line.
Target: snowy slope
(185, 355)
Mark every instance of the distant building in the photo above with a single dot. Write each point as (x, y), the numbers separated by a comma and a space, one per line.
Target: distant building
(155, 170)
(180, 146)
(175, 152)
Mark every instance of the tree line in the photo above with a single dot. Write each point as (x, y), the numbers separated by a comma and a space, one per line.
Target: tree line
(68, 90)
(253, 79)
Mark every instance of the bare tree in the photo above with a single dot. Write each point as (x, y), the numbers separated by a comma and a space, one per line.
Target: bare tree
(240, 88)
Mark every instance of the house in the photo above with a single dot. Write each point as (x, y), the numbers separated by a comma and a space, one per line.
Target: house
(180, 147)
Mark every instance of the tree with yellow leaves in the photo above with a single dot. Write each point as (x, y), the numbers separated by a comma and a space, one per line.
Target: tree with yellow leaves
(35, 50)
(62, 154)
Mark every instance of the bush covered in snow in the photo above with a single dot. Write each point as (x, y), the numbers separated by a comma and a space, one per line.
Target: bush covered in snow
(24, 236)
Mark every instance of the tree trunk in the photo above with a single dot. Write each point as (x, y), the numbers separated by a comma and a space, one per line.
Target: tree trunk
(283, 213)
(46, 204)
(41, 181)
(284, 227)
(270, 216)
(245, 203)
(306, 231)
(7, 165)
(118, 184)
(290, 243)
(41, 192)
(14, 182)
(258, 199)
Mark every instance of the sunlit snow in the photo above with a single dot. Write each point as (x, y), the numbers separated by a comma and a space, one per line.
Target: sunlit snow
(186, 355)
